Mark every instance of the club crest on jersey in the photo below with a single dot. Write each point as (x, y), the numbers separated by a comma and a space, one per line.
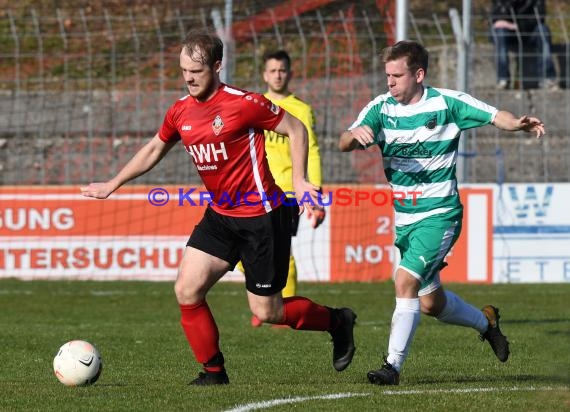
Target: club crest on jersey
(217, 125)
(431, 123)
(274, 108)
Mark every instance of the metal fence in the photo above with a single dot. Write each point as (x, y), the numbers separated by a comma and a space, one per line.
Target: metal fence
(79, 92)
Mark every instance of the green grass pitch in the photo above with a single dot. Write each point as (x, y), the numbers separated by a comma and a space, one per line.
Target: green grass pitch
(147, 362)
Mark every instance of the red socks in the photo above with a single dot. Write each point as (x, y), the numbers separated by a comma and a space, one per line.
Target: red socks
(304, 314)
(202, 335)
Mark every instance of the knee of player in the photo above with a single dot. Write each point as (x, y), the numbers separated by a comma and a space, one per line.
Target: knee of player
(430, 308)
(267, 315)
(186, 295)
(406, 285)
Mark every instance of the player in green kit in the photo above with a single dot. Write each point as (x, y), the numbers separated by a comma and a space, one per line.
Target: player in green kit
(417, 128)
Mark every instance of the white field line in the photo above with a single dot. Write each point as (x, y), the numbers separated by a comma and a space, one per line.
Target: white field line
(284, 401)
(471, 390)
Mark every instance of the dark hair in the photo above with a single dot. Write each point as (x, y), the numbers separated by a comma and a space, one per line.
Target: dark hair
(280, 55)
(208, 44)
(416, 55)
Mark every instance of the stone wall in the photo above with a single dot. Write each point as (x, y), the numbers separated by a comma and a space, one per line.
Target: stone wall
(56, 138)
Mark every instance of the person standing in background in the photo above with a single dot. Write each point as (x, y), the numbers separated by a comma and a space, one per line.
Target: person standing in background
(277, 74)
(510, 18)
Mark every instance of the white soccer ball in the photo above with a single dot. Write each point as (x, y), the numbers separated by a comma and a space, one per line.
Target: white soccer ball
(77, 363)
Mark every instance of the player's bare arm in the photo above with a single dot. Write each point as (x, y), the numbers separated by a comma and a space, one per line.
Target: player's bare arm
(352, 139)
(507, 121)
(298, 141)
(144, 160)
(317, 215)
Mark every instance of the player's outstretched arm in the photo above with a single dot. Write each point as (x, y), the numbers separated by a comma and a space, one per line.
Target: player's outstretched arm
(144, 160)
(507, 121)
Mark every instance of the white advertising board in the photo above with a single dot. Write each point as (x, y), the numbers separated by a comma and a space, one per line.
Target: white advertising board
(531, 234)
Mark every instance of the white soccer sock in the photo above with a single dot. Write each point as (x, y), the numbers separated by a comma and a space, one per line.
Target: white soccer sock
(458, 312)
(405, 320)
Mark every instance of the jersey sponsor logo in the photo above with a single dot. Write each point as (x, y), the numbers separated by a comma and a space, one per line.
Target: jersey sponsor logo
(206, 153)
(416, 151)
(186, 127)
(217, 125)
(203, 168)
(393, 122)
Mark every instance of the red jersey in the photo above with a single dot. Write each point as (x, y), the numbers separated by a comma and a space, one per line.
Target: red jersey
(224, 137)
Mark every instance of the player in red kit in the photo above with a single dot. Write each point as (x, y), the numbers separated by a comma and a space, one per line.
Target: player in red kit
(221, 129)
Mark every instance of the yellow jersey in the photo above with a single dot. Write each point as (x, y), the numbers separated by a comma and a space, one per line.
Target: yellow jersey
(277, 145)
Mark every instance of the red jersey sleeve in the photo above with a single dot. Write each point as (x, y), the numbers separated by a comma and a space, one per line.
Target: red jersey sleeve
(169, 130)
(260, 112)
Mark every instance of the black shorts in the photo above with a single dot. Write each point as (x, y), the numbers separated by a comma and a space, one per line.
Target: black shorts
(262, 243)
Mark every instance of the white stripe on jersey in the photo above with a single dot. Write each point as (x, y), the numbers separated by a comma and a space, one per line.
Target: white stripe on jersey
(468, 99)
(404, 219)
(231, 90)
(434, 104)
(256, 176)
(427, 190)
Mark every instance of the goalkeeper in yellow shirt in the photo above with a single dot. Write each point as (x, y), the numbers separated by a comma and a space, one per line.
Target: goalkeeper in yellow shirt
(277, 74)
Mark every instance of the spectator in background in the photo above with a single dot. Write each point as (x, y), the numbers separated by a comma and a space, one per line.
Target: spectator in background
(525, 17)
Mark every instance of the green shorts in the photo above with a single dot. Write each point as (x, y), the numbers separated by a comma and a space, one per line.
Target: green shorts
(424, 245)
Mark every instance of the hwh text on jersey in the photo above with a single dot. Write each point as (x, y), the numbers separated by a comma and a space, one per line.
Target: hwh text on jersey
(205, 153)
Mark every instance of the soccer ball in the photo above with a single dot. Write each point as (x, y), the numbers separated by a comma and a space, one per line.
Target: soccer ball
(77, 363)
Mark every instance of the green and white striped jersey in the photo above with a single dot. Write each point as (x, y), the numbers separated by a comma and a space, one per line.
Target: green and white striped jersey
(419, 144)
